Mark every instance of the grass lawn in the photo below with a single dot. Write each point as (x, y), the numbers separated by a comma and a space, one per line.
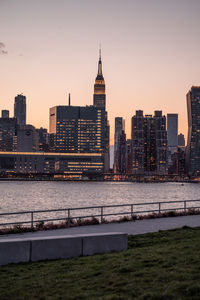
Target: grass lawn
(164, 265)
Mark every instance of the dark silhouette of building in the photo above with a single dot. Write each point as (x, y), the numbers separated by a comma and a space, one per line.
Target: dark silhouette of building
(27, 138)
(20, 109)
(128, 157)
(181, 140)
(5, 113)
(177, 166)
(43, 139)
(193, 143)
(172, 132)
(8, 134)
(122, 153)
(119, 128)
(149, 143)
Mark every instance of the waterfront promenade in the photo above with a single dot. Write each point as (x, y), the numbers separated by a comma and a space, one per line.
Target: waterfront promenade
(131, 228)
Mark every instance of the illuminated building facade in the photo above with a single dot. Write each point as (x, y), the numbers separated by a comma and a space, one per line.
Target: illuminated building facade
(20, 109)
(51, 163)
(99, 101)
(149, 143)
(99, 97)
(8, 134)
(193, 144)
(78, 129)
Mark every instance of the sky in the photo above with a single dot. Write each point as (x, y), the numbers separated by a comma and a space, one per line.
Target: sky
(150, 55)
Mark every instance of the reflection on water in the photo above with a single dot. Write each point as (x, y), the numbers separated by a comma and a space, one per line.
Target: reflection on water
(34, 195)
(17, 196)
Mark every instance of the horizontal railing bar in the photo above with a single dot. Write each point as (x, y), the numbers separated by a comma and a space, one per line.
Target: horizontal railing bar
(100, 215)
(95, 207)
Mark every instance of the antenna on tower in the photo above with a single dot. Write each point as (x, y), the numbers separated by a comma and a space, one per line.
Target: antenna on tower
(69, 99)
(100, 51)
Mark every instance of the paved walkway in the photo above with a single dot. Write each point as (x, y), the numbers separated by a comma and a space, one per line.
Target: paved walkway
(137, 227)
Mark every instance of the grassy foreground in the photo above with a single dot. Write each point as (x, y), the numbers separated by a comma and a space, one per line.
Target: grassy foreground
(164, 265)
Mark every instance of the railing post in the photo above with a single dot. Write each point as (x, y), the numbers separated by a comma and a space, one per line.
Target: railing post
(68, 217)
(131, 211)
(32, 219)
(101, 214)
(184, 207)
(159, 208)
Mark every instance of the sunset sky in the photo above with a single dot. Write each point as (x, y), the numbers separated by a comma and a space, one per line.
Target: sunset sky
(150, 55)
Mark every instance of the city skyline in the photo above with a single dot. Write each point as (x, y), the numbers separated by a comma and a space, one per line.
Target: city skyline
(149, 55)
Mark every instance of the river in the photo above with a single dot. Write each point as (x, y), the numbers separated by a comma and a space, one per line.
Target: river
(37, 195)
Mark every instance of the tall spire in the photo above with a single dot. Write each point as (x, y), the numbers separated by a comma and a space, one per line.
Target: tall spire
(99, 63)
(100, 51)
(99, 97)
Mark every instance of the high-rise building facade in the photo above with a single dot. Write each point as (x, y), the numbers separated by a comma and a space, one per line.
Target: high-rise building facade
(161, 142)
(81, 130)
(137, 142)
(78, 129)
(99, 97)
(149, 143)
(128, 157)
(8, 134)
(99, 101)
(119, 130)
(193, 143)
(172, 132)
(20, 109)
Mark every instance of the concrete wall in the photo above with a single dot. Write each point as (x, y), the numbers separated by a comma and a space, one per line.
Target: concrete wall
(48, 248)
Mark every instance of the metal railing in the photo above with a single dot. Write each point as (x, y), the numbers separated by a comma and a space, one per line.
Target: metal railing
(131, 210)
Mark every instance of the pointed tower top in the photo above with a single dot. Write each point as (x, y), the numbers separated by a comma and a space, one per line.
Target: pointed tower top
(99, 73)
(100, 51)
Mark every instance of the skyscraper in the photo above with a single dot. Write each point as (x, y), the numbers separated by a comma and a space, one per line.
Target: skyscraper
(193, 144)
(172, 132)
(149, 143)
(8, 134)
(20, 109)
(99, 97)
(99, 101)
(78, 129)
(119, 128)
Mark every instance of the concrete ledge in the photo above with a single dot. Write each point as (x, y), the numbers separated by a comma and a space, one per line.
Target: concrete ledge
(47, 248)
(55, 248)
(104, 243)
(14, 251)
